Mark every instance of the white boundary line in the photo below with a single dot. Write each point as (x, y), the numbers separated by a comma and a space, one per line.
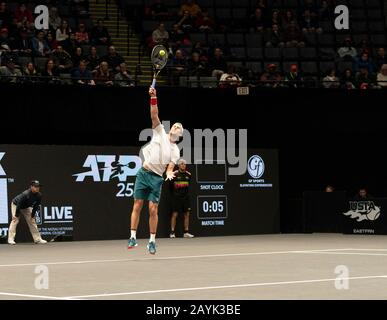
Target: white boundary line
(261, 284)
(168, 258)
(29, 296)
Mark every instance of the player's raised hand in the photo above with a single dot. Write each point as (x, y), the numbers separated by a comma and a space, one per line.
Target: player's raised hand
(170, 175)
(152, 92)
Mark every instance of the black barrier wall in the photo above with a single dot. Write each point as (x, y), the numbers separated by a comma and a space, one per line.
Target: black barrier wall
(88, 192)
(323, 136)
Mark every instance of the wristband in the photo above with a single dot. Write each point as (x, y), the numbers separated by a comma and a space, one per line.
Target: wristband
(153, 101)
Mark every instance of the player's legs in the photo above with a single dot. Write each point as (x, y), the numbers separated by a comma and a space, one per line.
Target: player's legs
(153, 217)
(136, 211)
(153, 221)
(141, 193)
(13, 225)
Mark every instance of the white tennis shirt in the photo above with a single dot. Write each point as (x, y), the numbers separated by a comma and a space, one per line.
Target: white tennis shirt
(160, 151)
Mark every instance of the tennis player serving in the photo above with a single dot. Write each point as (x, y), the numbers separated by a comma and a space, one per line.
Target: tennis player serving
(160, 154)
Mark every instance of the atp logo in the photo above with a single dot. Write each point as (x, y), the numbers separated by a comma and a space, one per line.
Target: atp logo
(104, 168)
(256, 167)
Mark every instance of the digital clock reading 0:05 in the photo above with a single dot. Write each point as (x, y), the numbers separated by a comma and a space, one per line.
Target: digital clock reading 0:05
(211, 207)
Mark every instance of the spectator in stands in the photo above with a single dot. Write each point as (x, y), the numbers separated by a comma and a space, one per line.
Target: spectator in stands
(4, 39)
(113, 59)
(71, 45)
(257, 21)
(274, 37)
(363, 78)
(50, 72)
(100, 35)
(54, 20)
(326, 12)
(192, 8)
(363, 194)
(22, 45)
(93, 60)
(309, 23)
(287, 19)
(362, 62)
(82, 36)
(293, 77)
(230, 78)
(204, 22)
(176, 37)
(217, 63)
(51, 41)
(123, 78)
(82, 75)
(364, 46)
(348, 80)
(4, 53)
(23, 15)
(62, 59)
(160, 36)
(382, 76)
(159, 10)
(347, 51)
(5, 16)
(77, 57)
(261, 4)
(380, 58)
(198, 47)
(275, 19)
(250, 77)
(40, 46)
(293, 36)
(178, 67)
(196, 67)
(271, 78)
(186, 22)
(9, 72)
(331, 80)
(63, 34)
(329, 189)
(104, 76)
(30, 73)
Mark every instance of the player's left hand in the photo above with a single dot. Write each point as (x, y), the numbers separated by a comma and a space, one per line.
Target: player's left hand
(170, 175)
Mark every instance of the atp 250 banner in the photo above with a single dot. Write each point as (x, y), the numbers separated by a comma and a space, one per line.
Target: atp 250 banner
(88, 192)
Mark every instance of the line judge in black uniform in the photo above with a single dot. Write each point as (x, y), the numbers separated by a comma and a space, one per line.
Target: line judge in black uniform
(27, 203)
(181, 202)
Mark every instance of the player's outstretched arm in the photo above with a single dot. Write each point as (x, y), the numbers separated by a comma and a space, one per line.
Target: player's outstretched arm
(170, 173)
(154, 110)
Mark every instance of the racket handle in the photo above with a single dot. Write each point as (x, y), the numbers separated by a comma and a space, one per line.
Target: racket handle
(153, 83)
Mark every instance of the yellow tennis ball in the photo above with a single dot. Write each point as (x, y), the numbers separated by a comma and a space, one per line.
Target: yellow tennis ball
(162, 53)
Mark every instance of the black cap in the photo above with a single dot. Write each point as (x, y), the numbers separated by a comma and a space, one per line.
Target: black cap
(35, 183)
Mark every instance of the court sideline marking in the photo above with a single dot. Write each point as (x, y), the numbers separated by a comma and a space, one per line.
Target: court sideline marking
(170, 258)
(261, 284)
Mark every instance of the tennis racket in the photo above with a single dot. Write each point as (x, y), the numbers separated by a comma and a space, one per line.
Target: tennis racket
(159, 59)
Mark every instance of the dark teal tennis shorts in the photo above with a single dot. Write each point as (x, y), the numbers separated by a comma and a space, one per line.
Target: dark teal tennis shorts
(148, 186)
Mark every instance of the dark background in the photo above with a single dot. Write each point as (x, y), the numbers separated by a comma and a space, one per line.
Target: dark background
(323, 136)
